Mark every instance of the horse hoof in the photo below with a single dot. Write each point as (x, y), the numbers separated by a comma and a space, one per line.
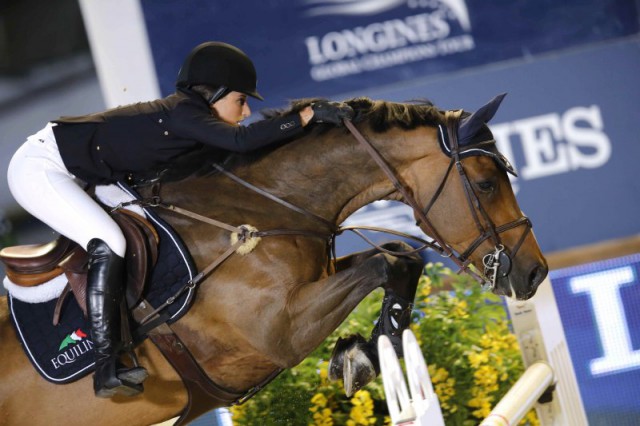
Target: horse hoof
(359, 368)
(336, 363)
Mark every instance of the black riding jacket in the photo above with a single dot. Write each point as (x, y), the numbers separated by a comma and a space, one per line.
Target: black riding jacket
(140, 139)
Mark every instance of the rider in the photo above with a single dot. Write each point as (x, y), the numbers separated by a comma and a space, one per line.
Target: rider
(50, 172)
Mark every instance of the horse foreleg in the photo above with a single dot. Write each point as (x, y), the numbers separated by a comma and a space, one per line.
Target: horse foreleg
(356, 360)
(397, 304)
(316, 309)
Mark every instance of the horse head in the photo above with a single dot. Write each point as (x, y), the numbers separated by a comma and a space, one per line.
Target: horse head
(453, 176)
(471, 211)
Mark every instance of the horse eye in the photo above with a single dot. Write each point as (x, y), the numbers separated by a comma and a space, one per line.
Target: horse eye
(485, 186)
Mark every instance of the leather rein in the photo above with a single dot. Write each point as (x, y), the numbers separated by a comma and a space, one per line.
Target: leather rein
(496, 264)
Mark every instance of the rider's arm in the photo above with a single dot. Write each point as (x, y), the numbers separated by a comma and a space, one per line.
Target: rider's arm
(192, 121)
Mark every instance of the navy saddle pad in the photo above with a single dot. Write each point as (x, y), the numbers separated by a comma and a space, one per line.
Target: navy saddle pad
(64, 353)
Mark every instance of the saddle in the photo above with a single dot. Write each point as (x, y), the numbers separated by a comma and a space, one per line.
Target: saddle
(35, 264)
(32, 265)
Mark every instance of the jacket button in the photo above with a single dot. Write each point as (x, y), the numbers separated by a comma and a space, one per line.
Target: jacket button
(98, 148)
(160, 120)
(166, 133)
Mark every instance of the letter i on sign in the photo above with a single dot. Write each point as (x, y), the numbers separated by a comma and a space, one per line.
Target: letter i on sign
(603, 289)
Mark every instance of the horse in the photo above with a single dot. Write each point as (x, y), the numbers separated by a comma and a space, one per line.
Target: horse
(263, 311)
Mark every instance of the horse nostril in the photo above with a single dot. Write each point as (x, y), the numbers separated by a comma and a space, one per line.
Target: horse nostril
(537, 275)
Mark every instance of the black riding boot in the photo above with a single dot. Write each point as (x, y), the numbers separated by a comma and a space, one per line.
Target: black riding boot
(104, 294)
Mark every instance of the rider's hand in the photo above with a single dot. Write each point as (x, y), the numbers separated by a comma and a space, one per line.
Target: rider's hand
(331, 112)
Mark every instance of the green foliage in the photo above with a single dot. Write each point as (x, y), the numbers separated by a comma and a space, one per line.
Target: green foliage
(464, 334)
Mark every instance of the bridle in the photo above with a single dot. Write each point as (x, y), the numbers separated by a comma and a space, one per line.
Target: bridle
(497, 264)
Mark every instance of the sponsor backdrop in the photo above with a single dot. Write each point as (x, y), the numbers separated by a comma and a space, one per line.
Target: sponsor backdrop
(329, 47)
(570, 123)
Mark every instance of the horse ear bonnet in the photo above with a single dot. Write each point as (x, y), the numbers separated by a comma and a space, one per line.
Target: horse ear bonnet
(473, 130)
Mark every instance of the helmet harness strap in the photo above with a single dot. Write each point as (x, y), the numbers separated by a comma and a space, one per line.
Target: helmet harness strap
(222, 90)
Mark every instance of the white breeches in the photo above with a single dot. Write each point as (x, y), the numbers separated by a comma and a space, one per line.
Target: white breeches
(42, 185)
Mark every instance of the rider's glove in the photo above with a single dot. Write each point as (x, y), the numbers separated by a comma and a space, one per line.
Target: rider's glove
(331, 112)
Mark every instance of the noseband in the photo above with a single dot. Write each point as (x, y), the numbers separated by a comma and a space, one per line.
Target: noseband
(497, 264)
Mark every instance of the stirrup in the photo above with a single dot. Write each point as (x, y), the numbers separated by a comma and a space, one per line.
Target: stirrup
(124, 388)
(123, 380)
(135, 375)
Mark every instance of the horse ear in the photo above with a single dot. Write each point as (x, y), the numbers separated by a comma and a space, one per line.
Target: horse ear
(470, 125)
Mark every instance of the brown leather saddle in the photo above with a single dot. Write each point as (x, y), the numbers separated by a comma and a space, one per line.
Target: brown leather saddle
(32, 265)
(37, 264)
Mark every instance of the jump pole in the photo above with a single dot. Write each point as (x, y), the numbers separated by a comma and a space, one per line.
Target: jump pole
(419, 405)
(522, 396)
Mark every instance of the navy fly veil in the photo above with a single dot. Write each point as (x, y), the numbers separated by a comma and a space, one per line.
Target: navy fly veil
(475, 138)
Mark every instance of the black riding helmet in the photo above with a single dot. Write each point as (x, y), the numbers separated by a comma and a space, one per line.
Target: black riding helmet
(219, 65)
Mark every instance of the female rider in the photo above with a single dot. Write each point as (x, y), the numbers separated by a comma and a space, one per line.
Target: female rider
(49, 173)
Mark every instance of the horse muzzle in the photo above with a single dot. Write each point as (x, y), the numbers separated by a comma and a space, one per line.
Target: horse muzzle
(506, 278)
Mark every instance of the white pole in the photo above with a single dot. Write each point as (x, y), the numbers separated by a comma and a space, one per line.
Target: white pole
(422, 408)
(400, 407)
(121, 52)
(522, 396)
(423, 397)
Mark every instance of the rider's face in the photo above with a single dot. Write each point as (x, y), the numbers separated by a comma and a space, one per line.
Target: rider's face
(233, 108)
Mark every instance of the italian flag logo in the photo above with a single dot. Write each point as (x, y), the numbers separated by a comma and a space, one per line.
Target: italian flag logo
(72, 339)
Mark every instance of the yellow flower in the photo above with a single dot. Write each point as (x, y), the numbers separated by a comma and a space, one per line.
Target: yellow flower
(323, 418)
(478, 358)
(443, 386)
(437, 374)
(487, 377)
(425, 291)
(323, 371)
(483, 411)
(237, 412)
(530, 419)
(362, 411)
(319, 399)
(460, 308)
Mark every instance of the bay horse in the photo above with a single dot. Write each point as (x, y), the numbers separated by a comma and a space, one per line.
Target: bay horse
(268, 309)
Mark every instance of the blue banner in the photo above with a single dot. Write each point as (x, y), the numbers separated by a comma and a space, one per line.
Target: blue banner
(305, 48)
(598, 306)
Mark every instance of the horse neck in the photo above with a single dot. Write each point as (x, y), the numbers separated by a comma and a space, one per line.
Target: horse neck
(331, 174)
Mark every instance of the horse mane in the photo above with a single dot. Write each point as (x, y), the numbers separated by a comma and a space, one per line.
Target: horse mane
(381, 115)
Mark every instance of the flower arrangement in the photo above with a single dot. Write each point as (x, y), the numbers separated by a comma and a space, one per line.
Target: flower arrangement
(472, 357)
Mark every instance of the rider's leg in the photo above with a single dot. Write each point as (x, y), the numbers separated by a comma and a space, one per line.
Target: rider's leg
(41, 184)
(104, 294)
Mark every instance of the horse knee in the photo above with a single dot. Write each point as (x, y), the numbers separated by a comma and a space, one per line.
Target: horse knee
(396, 268)
(413, 258)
